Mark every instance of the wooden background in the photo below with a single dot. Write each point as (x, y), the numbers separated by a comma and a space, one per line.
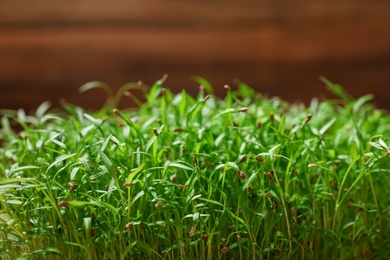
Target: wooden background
(49, 48)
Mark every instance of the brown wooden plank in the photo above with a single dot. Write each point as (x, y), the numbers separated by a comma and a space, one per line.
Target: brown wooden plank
(49, 48)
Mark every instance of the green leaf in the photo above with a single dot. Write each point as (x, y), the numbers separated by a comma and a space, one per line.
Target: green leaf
(212, 201)
(105, 158)
(78, 204)
(87, 224)
(150, 142)
(327, 126)
(207, 86)
(336, 89)
(47, 250)
(282, 124)
(136, 197)
(135, 172)
(59, 159)
(41, 110)
(226, 111)
(182, 104)
(96, 85)
(181, 166)
(361, 101)
(377, 146)
(383, 144)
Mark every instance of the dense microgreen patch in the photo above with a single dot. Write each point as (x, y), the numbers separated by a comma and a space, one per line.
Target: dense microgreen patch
(243, 177)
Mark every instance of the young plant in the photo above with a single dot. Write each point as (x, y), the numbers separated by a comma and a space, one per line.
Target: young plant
(240, 177)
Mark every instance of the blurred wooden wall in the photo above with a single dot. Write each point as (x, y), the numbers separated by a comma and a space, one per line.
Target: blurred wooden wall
(48, 49)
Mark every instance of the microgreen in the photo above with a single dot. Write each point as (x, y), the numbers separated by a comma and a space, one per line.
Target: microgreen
(181, 177)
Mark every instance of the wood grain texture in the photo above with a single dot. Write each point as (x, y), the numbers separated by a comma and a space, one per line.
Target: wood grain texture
(48, 49)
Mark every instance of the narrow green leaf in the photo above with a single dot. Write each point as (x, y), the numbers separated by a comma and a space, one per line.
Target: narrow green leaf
(207, 86)
(135, 172)
(60, 159)
(361, 101)
(181, 166)
(42, 109)
(105, 158)
(150, 142)
(377, 146)
(212, 201)
(96, 85)
(282, 124)
(336, 89)
(327, 126)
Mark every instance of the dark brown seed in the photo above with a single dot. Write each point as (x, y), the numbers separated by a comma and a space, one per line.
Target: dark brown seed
(129, 225)
(92, 232)
(243, 109)
(267, 196)
(127, 184)
(310, 244)
(293, 210)
(195, 160)
(243, 159)
(193, 230)
(293, 172)
(270, 175)
(63, 203)
(181, 186)
(74, 186)
(242, 175)
(155, 131)
(273, 205)
(173, 179)
(206, 98)
(205, 236)
(308, 117)
(272, 118)
(158, 205)
(225, 249)
(294, 220)
(177, 130)
(116, 112)
(259, 159)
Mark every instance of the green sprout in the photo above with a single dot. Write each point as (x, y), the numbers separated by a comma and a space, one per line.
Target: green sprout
(182, 177)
